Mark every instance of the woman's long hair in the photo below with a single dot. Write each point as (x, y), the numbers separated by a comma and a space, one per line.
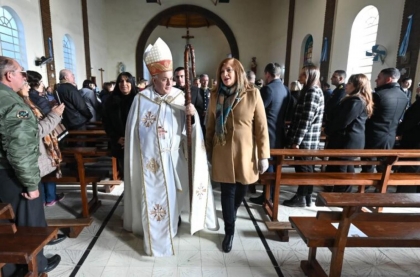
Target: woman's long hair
(312, 76)
(132, 81)
(362, 90)
(241, 80)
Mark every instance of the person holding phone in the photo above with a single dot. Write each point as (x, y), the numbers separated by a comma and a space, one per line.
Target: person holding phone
(53, 115)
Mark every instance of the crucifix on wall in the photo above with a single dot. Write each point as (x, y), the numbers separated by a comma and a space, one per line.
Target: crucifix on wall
(102, 76)
(187, 37)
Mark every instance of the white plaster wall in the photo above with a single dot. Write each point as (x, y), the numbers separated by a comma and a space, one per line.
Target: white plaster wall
(32, 26)
(126, 19)
(390, 18)
(206, 62)
(98, 40)
(66, 18)
(309, 20)
(277, 41)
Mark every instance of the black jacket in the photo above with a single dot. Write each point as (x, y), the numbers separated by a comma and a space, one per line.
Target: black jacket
(389, 105)
(196, 98)
(40, 102)
(409, 128)
(116, 109)
(346, 129)
(76, 112)
(205, 98)
(334, 100)
(275, 98)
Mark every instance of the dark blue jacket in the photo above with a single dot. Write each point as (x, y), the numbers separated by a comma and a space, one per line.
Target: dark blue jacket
(40, 102)
(275, 98)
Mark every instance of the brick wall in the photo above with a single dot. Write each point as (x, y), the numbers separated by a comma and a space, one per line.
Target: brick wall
(292, 4)
(328, 32)
(409, 63)
(47, 33)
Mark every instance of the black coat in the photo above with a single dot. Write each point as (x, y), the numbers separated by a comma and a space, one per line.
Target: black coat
(409, 128)
(389, 105)
(196, 99)
(204, 95)
(334, 100)
(40, 102)
(346, 129)
(76, 112)
(116, 110)
(275, 98)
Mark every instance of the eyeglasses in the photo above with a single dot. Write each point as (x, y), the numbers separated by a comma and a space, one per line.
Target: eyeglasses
(24, 73)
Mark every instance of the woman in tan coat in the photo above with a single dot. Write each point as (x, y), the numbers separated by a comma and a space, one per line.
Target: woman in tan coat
(236, 139)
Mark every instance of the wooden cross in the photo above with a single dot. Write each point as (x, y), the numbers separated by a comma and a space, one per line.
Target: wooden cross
(102, 76)
(187, 37)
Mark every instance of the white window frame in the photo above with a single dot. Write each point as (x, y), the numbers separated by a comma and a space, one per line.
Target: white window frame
(364, 32)
(12, 36)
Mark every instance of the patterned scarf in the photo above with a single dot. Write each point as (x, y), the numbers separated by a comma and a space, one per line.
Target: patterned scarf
(225, 99)
(50, 141)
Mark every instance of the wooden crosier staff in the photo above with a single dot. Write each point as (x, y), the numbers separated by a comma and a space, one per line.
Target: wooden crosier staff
(189, 54)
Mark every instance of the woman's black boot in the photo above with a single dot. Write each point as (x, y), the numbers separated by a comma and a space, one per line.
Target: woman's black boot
(227, 243)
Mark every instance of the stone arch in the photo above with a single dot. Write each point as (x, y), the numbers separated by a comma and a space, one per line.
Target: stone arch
(154, 22)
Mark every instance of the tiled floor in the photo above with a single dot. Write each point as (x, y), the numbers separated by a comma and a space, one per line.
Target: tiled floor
(118, 253)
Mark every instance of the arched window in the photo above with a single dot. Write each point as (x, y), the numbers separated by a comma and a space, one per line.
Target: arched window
(309, 43)
(68, 48)
(12, 38)
(363, 37)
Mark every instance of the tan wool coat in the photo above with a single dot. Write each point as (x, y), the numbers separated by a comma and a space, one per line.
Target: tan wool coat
(246, 139)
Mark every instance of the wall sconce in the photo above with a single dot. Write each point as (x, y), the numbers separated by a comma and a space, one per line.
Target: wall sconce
(154, 1)
(219, 1)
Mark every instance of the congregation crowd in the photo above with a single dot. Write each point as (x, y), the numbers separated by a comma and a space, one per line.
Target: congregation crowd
(235, 123)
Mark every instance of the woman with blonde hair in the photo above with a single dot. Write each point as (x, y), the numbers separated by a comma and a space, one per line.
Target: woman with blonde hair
(236, 132)
(347, 127)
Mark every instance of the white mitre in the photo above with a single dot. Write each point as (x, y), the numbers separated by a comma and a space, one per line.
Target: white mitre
(158, 58)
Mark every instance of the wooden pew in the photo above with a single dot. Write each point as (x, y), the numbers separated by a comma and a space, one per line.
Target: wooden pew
(75, 225)
(95, 136)
(20, 245)
(80, 155)
(382, 230)
(392, 157)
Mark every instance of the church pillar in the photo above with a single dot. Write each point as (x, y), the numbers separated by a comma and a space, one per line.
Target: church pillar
(86, 38)
(408, 63)
(328, 32)
(47, 34)
(292, 4)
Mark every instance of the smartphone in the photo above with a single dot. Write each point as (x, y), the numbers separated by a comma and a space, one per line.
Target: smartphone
(57, 97)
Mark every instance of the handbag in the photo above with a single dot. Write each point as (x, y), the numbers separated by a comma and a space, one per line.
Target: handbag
(60, 131)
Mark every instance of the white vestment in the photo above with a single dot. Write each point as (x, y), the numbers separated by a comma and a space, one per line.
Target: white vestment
(156, 172)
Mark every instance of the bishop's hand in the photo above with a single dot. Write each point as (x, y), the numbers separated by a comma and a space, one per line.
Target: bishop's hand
(190, 109)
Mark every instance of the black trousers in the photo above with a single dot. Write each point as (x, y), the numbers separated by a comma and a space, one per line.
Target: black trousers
(341, 168)
(304, 190)
(27, 212)
(232, 197)
(409, 169)
(371, 168)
